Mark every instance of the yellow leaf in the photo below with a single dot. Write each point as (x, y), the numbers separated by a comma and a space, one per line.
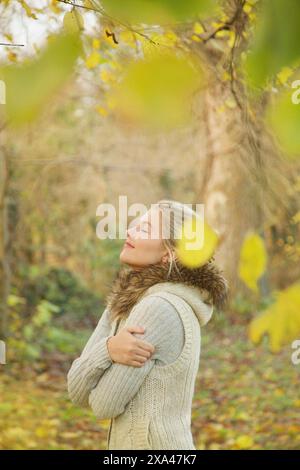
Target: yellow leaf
(198, 28)
(247, 8)
(244, 442)
(223, 33)
(284, 74)
(93, 60)
(8, 37)
(281, 320)
(102, 111)
(96, 43)
(12, 56)
(242, 416)
(259, 326)
(253, 260)
(54, 6)
(128, 37)
(157, 91)
(231, 39)
(41, 432)
(89, 4)
(197, 243)
(106, 76)
(171, 37)
(73, 21)
(28, 10)
(226, 76)
(196, 38)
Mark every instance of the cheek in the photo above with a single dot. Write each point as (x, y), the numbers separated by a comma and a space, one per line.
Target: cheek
(149, 247)
(145, 252)
(150, 250)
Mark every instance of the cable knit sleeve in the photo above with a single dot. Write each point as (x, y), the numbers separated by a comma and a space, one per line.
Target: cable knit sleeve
(119, 383)
(86, 370)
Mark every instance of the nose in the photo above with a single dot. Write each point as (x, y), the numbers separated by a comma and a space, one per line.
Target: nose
(129, 231)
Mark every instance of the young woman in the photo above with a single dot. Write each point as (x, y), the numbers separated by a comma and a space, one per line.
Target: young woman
(139, 366)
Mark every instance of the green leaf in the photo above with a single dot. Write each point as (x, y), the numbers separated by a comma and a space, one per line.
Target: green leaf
(73, 21)
(31, 85)
(283, 115)
(14, 300)
(156, 11)
(157, 92)
(275, 40)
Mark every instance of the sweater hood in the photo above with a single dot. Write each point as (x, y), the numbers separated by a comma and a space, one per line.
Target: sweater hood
(202, 288)
(196, 299)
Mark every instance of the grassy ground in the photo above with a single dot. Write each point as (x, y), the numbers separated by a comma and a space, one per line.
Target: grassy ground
(245, 397)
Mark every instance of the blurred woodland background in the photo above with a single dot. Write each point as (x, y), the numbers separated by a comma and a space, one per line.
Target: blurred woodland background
(193, 101)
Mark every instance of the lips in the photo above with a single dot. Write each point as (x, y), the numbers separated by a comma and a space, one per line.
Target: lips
(129, 245)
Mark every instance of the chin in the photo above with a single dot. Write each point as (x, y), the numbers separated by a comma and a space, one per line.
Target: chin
(125, 258)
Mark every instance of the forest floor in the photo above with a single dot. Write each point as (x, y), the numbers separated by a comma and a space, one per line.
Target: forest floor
(245, 398)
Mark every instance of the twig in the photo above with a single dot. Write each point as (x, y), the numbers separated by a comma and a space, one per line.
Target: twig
(10, 44)
(103, 13)
(227, 24)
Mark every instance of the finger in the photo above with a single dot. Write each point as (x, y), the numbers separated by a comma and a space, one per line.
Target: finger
(135, 329)
(143, 344)
(137, 364)
(141, 359)
(142, 353)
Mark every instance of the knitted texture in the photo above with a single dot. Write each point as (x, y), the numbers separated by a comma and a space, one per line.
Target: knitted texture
(86, 370)
(149, 406)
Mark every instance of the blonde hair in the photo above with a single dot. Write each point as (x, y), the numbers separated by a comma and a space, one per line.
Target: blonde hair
(174, 214)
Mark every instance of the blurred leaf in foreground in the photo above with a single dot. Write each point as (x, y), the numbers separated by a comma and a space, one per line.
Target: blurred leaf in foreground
(156, 11)
(281, 321)
(73, 21)
(283, 115)
(275, 40)
(31, 85)
(157, 92)
(253, 260)
(196, 246)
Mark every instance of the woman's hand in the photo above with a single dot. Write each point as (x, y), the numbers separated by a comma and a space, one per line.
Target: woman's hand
(125, 348)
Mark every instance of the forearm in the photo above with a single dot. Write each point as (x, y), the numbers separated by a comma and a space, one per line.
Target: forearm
(86, 371)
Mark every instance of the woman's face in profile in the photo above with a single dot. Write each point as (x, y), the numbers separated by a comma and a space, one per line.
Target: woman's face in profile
(144, 244)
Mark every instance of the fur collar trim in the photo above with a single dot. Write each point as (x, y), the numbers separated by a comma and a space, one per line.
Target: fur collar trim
(205, 284)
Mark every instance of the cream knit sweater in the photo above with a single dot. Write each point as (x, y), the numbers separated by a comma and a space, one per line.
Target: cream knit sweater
(149, 406)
